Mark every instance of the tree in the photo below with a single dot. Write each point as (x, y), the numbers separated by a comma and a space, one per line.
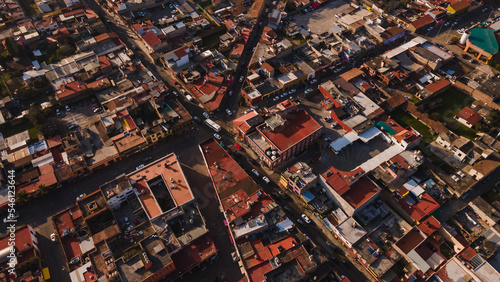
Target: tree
(493, 117)
(12, 46)
(43, 188)
(21, 196)
(435, 116)
(454, 40)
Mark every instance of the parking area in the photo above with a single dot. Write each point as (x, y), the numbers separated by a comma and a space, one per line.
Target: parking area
(322, 19)
(81, 114)
(161, 15)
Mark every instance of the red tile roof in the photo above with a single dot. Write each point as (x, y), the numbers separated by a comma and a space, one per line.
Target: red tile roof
(54, 141)
(438, 85)
(420, 22)
(195, 253)
(151, 39)
(421, 209)
(230, 180)
(360, 192)
(297, 127)
(340, 180)
(238, 49)
(410, 241)
(181, 52)
(429, 225)
(468, 253)
(469, 115)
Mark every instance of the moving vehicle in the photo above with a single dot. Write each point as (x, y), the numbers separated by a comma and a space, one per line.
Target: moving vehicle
(53, 237)
(189, 98)
(228, 111)
(217, 136)
(266, 179)
(210, 123)
(255, 172)
(68, 109)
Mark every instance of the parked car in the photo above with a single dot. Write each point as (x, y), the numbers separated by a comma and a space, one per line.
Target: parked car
(306, 218)
(175, 93)
(292, 91)
(308, 90)
(81, 196)
(189, 98)
(58, 112)
(456, 178)
(266, 179)
(230, 93)
(68, 109)
(327, 119)
(217, 136)
(461, 174)
(314, 81)
(276, 98)
(288, 209)
(206, 115)
(53, 237)
(241, 78)
(197, 119)
(228, 111)
(139, 166)
(237, 146)
(255, 172)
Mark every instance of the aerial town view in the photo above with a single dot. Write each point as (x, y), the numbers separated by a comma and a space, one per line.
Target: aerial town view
(249, 140)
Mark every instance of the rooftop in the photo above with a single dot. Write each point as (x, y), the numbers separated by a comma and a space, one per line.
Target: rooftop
(137, 268)
(232, 183)
(469, 115)
(360, 192)
(298, 126)
(340, 181)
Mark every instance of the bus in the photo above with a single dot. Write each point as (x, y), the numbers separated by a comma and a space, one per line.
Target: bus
(212, 125)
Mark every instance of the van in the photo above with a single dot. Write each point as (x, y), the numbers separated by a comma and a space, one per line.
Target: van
(190, 98)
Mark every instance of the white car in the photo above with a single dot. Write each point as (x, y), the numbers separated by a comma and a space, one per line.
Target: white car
(241, 78)
(292, 91)
(176, 94)
(266, 179)
(217, 136)
(314, 81)
(53, 237)
(58, 112)
(68, 109)
(228, 111)
(255, 172)
(456, 178)
(276, 98)
(461, 174)
(206, 115)
(306, 218)
(139, 166)
(430, 28)
(283, 95)
(446, 23)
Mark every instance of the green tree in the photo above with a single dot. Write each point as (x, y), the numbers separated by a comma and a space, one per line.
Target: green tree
(493, 117)
(43, 188)
(21, 196)
(454, 40)
(12, 46)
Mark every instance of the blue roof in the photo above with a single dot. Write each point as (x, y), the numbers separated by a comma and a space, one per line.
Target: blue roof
(308, 196)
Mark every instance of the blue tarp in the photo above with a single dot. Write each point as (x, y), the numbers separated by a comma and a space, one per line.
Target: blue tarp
(308, 196)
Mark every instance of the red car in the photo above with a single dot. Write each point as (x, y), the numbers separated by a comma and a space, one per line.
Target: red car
(237, 146)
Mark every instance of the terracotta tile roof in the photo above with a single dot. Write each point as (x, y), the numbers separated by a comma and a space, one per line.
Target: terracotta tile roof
(299, 126)
(267, 67)
(460, 5)
(349, 75)
(429, 225)
(469, 115)
(360, 192)
(151, 39)
(438, 85)
(340, 180)
(238, 49)
(420, 22)
(54, 141)
(411, 240)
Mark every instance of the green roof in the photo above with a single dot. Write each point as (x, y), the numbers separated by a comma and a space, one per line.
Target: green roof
(484, 38)
(385, 127)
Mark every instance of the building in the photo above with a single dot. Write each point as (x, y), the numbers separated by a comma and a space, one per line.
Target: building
(24, 255)
(287, 132)
(421, 24)
(176, 58)
(299, 178)
(468, 117)
(350, 190)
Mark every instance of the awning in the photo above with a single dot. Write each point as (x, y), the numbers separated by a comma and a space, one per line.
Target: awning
(308, 196)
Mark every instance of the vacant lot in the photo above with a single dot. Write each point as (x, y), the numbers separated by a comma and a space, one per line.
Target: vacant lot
(453, 101)
(405, 119)
(322, 19)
